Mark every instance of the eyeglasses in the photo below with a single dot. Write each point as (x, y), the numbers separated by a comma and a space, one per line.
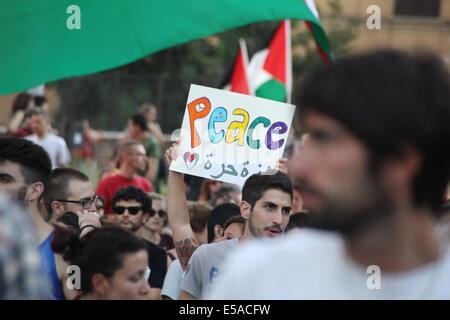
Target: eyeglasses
(160, 213)
(132, 210)
(87, 203)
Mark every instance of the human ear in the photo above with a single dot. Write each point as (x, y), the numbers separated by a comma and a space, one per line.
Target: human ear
(100, 283)
(245, 209)
(58, 208)
(400, 172)
(34, 191)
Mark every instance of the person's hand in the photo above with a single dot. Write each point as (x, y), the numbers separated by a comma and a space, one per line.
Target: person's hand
(87, 221)
(172, 153)
(282, 165)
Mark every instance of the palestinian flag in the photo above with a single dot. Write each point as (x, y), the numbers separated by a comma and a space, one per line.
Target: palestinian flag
(318, 34)
(48, 40)
(270, 70)
(237, 79)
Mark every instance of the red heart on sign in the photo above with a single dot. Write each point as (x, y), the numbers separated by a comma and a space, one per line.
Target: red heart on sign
(190, 159)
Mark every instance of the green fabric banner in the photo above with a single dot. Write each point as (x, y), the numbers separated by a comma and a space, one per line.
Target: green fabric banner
(48, 40)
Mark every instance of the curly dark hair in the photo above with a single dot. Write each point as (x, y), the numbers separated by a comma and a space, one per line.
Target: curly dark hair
(134, 193)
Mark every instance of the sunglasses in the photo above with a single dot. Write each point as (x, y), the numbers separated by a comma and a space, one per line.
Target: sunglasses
(160, 213)
(132, 210)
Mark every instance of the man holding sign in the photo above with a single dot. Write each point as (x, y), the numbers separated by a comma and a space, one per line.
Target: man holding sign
(234, 151)
(266, 206)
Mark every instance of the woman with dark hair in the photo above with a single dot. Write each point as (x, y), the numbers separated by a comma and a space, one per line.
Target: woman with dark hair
(113, 263)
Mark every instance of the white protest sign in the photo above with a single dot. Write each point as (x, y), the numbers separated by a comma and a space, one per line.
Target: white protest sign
(229, 136)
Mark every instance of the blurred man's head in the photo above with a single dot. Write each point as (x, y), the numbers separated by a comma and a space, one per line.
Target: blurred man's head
(198, 218)
(40, 122)
(28, 117)
(132, 155)
(69, 190)
(131, 207)
(24, 169)
(266, 204)
(137, 124)
(226, 193)
(375, 126)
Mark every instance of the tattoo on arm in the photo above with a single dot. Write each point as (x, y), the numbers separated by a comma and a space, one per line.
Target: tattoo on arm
(185, 249)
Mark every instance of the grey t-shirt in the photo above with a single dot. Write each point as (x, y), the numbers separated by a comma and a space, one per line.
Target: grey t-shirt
(171, 287)
(205, 265)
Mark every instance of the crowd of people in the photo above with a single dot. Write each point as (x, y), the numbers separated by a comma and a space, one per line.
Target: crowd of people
(364, 186)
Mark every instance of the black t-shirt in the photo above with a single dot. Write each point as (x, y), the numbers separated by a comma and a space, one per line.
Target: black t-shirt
(157, 262)
(166, 242)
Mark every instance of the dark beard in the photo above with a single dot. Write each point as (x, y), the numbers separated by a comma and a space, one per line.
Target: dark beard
(352, 221)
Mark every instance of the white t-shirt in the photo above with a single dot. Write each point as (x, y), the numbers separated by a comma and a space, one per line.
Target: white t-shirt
(314, 265)
(206, 266)
(56, 148)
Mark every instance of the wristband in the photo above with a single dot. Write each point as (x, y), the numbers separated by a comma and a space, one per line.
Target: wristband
(88, 225)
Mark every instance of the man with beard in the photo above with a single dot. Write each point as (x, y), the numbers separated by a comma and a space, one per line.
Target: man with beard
(372, 166)
(132, 207)
(266, 206)
(132, 160)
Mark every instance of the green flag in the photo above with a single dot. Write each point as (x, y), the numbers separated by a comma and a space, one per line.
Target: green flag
(48, 40)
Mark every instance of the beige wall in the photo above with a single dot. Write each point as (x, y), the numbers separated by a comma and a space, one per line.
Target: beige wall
(397, 32)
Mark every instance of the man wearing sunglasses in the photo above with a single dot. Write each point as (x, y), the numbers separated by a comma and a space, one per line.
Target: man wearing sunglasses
(132, 208)
(132, 161)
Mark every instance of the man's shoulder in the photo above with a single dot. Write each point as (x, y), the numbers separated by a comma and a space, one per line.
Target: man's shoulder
(55, 138)
(151, 140)
(142, 182)
(216, 247)
(307, 244)
(104, 181)
(141, 179)
(111, 178)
